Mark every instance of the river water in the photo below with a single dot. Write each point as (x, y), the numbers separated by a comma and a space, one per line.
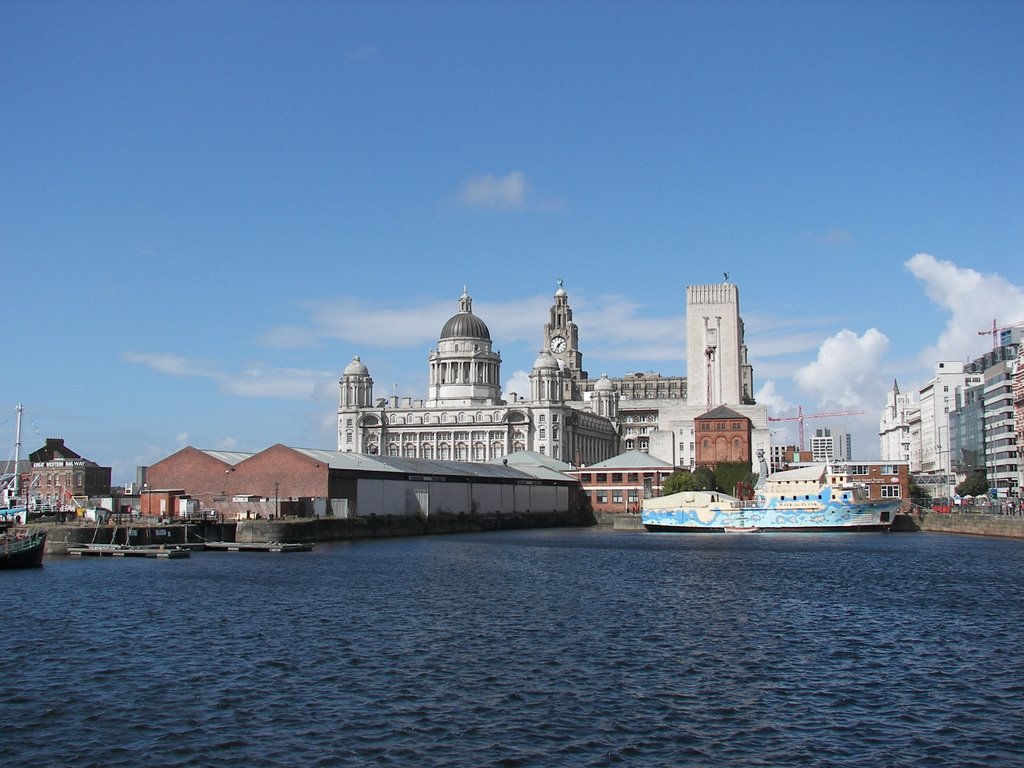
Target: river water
(535, 648)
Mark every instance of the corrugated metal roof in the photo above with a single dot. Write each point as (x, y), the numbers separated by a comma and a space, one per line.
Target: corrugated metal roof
(810, 472)
(631, 460)
(228, 457)
(400, 465)
(532, 459)
(362, 462)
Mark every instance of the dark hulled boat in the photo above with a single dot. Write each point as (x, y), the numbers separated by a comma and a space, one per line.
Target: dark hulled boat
(21, 550)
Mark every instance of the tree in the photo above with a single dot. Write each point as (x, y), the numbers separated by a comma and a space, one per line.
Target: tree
(729, 473)
(975, 485)
(701, 479)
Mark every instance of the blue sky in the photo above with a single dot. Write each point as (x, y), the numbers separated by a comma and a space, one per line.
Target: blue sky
(206, 209)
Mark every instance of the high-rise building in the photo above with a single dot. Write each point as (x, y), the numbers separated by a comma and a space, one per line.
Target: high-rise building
(829, 444)
(894, 427)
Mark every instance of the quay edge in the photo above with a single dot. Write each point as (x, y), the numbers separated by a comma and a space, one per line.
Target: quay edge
(305, 530)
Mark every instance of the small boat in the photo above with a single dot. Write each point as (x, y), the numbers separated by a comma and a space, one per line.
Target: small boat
(21, 549)
(741, 529)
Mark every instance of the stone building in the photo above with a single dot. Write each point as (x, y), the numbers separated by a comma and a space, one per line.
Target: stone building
(464, 417)
(568, 416)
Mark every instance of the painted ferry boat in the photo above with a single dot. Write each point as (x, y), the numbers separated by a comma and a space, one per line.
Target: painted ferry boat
(818, 497)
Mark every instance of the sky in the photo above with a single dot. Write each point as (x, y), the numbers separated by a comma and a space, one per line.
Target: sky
(208, 208)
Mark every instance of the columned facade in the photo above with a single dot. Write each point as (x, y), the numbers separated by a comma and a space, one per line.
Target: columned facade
(464, 417)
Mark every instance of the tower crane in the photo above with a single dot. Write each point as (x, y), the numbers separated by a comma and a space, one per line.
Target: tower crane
(800, 416)
(995, 331)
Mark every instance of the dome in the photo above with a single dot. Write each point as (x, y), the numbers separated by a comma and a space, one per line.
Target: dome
(356, 368)
(544, 360)
(604, 384)
(465, 325)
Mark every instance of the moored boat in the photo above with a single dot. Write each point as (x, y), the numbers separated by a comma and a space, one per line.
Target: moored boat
(21, 549)
(742, 529)
(818, 497)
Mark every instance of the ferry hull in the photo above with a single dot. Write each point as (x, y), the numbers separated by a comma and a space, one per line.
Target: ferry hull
(869, 517)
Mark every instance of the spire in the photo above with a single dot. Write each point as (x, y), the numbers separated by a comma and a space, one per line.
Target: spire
(465, 302)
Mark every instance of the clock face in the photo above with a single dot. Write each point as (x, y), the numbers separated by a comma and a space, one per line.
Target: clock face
(558, 344)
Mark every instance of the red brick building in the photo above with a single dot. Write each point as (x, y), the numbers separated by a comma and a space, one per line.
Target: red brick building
(61, 478)
(297, 481)
(722, 435)
(621, 483)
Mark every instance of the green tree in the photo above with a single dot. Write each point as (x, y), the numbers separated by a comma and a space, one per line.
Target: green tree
(701, 479)
(729, 473)
(975, 485)
(918, 495)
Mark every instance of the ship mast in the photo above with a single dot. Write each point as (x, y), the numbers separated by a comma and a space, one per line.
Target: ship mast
(17, 454)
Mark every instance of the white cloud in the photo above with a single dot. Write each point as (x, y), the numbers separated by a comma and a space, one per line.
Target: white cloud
(285, 383)
(846, 369)
(972, 299)
(174, 365)
(519, 383)
(769, 396)
(256, 381)
(511, 192)
(502, 192)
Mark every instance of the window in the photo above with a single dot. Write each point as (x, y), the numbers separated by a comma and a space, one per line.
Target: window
(616, 497)
(585, 477)
(616, 477)
(542, 433)
(890, 491)
(634, 496)
(601, 497)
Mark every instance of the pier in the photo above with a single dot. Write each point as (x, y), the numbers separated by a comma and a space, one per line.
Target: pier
(254, 546)
(108, 550)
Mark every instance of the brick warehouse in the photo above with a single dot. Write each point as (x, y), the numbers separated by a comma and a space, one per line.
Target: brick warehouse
(342, 484)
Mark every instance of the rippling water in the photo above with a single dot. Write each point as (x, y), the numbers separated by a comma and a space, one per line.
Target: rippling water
(538, 648)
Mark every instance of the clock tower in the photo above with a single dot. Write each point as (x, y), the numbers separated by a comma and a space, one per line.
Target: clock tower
(561, 341)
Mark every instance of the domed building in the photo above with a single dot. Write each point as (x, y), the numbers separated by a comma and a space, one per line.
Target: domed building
(465, 418)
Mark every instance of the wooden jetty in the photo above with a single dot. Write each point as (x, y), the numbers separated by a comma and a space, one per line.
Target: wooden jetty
(255, 546)
(121, 550)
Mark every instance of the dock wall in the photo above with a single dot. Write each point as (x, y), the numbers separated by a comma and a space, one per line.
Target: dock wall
(971, 523)
(304, 530)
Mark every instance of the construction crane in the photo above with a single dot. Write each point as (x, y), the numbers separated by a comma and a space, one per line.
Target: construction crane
(800, 416)
(996, 331)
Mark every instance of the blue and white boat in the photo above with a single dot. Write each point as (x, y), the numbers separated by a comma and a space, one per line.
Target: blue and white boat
(817, 497)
